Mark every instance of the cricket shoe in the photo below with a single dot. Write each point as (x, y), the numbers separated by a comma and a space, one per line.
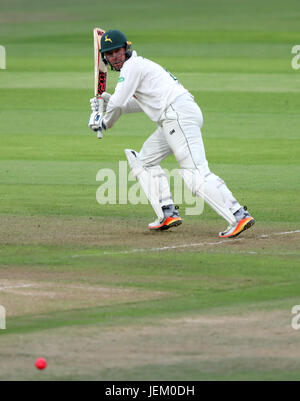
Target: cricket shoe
(171, 219)
(244, 220)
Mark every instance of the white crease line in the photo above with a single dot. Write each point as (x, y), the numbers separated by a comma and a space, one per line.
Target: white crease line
(281, 233)
(16, 286)
(165, 248)
(288, 232)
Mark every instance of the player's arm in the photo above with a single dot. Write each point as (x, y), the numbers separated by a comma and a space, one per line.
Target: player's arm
(97, 118)
(131, 106)
(122, 99)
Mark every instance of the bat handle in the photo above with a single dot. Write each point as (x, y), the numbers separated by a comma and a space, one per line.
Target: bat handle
(101, 111)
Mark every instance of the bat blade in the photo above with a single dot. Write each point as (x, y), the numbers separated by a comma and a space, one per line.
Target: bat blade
(100, 67)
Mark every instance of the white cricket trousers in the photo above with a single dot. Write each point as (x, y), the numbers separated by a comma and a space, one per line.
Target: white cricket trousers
(179, 132)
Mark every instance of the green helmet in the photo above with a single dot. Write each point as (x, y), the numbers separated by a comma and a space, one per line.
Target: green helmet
(112, 40)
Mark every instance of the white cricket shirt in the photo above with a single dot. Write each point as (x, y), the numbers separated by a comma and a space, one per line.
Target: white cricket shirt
(142, 86)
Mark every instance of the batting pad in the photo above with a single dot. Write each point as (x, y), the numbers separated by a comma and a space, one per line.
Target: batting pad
(212, 189)
(149, 179)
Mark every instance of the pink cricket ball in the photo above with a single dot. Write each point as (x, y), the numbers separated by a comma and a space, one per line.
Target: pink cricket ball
(41, 363)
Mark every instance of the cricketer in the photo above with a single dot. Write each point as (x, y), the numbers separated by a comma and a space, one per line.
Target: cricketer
(146, 86)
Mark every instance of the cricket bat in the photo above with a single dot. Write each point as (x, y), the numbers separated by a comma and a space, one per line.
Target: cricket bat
(100, 69)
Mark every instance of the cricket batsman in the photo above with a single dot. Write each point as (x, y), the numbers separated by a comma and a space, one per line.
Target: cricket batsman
(145, 86)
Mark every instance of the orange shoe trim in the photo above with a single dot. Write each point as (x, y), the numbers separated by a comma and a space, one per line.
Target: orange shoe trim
(239, 228)
(169, 221)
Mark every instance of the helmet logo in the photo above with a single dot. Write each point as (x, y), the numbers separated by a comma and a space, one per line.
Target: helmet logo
(107, 39)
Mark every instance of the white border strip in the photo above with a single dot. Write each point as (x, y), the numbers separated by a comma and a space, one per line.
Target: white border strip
(166, 248)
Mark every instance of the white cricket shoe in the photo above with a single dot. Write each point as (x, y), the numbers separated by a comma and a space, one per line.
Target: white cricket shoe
(171, 219)
(244, 220)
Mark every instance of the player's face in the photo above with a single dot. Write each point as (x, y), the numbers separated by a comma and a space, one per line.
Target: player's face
(116, 58)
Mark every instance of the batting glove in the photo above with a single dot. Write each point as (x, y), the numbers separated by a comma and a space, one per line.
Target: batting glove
(100, 103)
(96, 104)
(97, 124)
(105, 96)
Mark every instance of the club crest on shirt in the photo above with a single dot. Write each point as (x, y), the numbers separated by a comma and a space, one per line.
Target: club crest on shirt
(121, 79)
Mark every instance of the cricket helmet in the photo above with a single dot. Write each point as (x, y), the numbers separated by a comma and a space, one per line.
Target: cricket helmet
(112, 40)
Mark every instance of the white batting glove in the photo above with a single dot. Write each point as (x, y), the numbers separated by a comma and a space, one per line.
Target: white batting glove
(96, 104)
(105, 96)
(96, 123)
(100, 103)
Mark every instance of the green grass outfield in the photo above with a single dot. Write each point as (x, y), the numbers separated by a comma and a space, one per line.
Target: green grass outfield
(86, 285)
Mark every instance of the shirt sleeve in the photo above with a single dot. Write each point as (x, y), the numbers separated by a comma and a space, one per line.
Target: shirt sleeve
(131, 106)
(122, 99)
